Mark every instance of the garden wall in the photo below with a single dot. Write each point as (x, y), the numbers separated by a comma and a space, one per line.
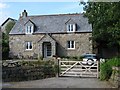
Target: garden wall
(23, 73)
(115, 77)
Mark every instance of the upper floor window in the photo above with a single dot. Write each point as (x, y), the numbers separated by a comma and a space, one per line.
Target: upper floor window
(71, 44)
(29, 29)
(71, 27)
(29, 46)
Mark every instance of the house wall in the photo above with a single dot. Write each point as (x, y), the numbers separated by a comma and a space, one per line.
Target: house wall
(17, 46)
(83, 44)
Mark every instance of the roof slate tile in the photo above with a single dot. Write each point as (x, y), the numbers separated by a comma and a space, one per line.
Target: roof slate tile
(52, 23)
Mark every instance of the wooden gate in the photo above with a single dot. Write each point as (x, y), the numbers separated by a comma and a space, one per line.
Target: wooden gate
(77, 69)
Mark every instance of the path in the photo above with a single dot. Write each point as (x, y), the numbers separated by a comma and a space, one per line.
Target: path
(62, 82)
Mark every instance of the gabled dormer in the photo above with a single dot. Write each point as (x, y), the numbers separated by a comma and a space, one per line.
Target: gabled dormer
(29, 27)
(70, 25)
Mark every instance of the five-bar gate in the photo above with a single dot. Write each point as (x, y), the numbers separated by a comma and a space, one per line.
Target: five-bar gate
(78, 69)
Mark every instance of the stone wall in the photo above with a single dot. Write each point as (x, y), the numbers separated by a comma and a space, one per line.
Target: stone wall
(25, 73)
(17, 46)
(83, 44)
(115, 77)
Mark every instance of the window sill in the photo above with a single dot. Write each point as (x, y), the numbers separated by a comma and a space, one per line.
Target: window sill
(28, 33)
(70, 31)
(70, 48)
(28, 50)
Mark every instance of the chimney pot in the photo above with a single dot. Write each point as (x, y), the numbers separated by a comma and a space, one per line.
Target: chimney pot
(24, 14)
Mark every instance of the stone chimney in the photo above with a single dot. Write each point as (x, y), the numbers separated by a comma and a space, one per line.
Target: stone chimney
(24, 14)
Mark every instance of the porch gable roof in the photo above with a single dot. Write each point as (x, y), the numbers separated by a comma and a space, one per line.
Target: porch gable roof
(47, 38)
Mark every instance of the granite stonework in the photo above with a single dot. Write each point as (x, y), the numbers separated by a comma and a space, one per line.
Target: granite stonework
(115, 77)
(49, 35)
(83, 44)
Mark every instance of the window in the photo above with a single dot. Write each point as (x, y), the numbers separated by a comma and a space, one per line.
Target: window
(28, 45)
(71, 28)
(29, 29)
(71, 44)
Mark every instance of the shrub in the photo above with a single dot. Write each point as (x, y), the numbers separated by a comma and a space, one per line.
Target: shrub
(114, 61)
(105, 71)
(106, 68)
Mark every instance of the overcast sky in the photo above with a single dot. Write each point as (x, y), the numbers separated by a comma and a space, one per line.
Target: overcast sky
(13, 9)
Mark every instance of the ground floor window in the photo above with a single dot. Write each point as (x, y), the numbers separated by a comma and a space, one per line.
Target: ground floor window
(71, 44)
(28, 45)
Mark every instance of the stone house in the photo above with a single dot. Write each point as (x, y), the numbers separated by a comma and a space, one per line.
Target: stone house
(50, 35)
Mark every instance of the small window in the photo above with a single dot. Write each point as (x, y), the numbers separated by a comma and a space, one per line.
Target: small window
(71, 28)
(29, 29)
(71, 44)
(28, 45)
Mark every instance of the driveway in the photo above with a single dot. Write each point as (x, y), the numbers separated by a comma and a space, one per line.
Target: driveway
(61, 82)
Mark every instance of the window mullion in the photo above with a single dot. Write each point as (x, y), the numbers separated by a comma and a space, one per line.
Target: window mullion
(70, 44)
(70, 27)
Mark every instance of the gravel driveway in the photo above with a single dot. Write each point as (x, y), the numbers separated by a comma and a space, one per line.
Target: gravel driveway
(61, 82)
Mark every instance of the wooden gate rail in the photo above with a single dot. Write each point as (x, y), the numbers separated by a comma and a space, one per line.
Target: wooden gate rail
(77, 68)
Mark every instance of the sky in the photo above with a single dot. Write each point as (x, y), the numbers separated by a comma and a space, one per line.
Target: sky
(13, 9)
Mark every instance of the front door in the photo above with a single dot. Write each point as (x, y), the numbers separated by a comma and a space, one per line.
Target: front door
(47, 50)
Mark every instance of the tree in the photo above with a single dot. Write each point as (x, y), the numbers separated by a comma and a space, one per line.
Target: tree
(5, 40)
(105, 20)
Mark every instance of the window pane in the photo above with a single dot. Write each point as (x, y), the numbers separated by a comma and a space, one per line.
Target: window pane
(30, 30)
(68, 44)
(72, 44)
(30, 45)
(71, 27)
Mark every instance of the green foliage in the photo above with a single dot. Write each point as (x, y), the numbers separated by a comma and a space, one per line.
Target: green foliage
(5, 46)
(9, 26)
(105, 20)
(105, 71)
(37, 63)
(114, 62)
(106, 68)
(5, 40)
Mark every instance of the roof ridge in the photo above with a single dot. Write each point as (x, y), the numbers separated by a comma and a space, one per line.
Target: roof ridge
(56, 14)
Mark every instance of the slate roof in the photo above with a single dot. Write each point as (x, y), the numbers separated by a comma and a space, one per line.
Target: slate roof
(52, 23)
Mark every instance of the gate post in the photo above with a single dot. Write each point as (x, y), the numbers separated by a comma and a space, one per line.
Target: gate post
(58, 66)
(97, 69)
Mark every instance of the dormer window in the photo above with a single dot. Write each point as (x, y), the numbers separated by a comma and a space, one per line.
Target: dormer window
(29, 29)
(71, 27)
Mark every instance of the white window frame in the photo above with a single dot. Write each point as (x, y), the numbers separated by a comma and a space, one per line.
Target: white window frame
(27, 45)
(70, 42)
(29, 29)
(71, 27)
